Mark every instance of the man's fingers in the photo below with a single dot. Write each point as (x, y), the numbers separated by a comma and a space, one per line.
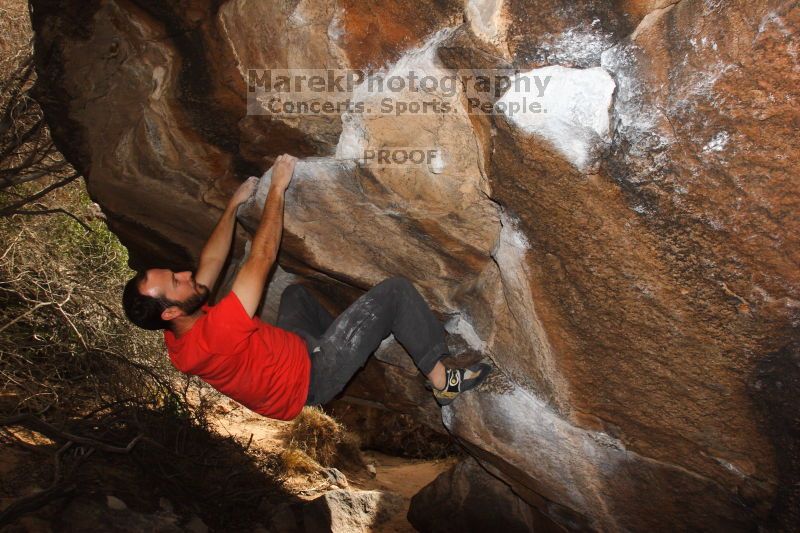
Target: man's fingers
(285, 158)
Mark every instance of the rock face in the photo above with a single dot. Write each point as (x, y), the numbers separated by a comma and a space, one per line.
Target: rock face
(629, 259)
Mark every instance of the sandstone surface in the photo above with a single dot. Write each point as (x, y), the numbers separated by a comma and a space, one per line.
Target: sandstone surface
(630, 266)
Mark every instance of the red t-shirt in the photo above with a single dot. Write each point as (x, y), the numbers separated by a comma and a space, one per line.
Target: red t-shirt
(265, 368)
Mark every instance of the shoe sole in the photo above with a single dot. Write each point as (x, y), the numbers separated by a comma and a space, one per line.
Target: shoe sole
(481, 378)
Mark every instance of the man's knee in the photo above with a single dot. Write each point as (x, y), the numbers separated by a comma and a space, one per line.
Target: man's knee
(294, 292)
(397, 283)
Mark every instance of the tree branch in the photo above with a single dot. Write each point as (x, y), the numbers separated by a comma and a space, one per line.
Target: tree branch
(53, 211)
(11, 209)
(40, 426)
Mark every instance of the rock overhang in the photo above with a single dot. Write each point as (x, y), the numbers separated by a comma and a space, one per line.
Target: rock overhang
(593, 259)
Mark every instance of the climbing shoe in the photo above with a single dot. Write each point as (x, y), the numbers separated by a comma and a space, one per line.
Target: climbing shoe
(461, 380)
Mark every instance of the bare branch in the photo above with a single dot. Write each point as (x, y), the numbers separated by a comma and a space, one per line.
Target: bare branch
(26, 313)
(11, 209)
(54, 211)
(40, 426)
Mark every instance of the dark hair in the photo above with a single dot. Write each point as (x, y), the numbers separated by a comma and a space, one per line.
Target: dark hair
(141, 309)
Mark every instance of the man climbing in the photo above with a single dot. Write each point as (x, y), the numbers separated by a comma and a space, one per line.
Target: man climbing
(310, 356)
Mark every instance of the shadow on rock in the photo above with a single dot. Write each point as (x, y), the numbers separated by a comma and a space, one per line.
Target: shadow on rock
(774, 388)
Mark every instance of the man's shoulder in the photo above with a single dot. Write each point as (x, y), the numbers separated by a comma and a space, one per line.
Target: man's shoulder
(226, 322)
(228, 305)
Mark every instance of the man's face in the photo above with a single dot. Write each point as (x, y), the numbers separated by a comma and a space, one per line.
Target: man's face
(175, 286)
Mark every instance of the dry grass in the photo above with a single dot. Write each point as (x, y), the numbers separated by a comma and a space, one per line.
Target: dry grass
(30, 164)
(323, 439)
(293, 462)
(15, 33)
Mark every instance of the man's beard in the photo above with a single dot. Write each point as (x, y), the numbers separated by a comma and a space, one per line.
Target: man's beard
(193, 303)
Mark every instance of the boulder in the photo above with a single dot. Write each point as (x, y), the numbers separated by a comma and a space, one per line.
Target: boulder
(338, 511)
(627, 260)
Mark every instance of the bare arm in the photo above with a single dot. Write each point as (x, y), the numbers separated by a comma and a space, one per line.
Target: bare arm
(249, 282)
(215, 251)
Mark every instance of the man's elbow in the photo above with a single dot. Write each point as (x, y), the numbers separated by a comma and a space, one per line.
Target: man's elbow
(209, 259)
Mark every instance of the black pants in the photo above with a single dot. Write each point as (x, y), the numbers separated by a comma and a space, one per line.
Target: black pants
(338, 348)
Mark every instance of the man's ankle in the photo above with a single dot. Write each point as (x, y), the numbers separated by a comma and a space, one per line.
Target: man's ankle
(438, 376)
(441, 385)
